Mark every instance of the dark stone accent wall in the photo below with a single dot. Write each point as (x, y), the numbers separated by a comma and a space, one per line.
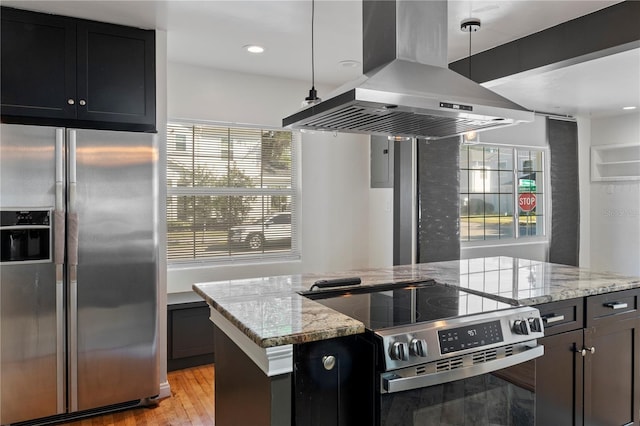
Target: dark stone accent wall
(402, 202)
(438, 200)
(564, 241)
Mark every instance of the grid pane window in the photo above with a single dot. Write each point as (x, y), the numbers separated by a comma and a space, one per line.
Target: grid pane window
(230, 193)
(500, 198)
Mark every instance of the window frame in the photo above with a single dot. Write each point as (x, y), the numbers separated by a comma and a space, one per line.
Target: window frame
(516, 239)
(294, 254)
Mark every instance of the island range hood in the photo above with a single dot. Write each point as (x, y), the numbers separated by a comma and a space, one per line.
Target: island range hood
(407, 89)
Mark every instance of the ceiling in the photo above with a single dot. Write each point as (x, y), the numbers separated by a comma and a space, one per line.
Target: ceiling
(212, 34)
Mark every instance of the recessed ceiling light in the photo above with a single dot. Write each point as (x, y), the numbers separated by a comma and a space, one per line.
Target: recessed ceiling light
(629, 107)
(349, 63)
(253, 48)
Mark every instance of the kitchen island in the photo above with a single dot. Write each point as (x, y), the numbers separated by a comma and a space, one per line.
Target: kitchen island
(264, 319)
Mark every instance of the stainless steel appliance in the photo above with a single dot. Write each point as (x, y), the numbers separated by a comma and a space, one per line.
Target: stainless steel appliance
(407, 88)
(78, 283)
(436, 345)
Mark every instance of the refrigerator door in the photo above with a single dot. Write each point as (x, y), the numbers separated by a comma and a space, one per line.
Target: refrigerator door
(113, 332)
(32, 375)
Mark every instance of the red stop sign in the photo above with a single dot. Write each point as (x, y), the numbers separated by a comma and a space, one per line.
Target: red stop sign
(527, 201)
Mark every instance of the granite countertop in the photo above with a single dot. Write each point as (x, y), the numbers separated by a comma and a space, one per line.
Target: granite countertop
(270, 312)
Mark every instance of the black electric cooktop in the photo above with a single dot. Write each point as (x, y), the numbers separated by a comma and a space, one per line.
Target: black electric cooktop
(388, 306)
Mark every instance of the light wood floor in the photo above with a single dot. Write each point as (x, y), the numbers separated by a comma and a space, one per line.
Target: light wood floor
(191, 404)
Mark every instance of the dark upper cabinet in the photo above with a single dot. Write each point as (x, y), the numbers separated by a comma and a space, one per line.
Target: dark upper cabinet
(70, 72)
(38, 73)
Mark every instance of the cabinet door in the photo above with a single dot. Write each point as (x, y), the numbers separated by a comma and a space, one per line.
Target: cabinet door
(191, 332)
(38, 57)
(559, 380)
(611, 374)
(336, 391)
(116, 74)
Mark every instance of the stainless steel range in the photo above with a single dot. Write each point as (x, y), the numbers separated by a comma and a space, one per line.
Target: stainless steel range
(436, 342)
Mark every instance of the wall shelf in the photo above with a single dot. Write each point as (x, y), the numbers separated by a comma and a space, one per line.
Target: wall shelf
(615, 162)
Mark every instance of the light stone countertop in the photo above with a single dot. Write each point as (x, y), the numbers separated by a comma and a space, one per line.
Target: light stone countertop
(270, 312)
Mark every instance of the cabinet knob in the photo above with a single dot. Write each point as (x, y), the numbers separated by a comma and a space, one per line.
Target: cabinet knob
(583, 351)
(82, 102)
(328, 362)
(71, 101)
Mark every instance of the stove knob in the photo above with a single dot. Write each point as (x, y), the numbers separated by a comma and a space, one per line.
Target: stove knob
(535, 325)
(399, 351)
(520, 327)
(418, 347)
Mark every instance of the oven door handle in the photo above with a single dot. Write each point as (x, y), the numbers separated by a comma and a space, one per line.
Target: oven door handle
(392, 384)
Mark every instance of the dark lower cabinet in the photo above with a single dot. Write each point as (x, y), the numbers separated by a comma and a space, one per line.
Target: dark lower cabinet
(559, 384)
(190, 335)
(612, 362)
(71, 72)
(590, 372)
(334, 383)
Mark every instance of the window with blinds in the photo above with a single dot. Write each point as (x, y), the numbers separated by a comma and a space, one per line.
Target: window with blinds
(231, 193)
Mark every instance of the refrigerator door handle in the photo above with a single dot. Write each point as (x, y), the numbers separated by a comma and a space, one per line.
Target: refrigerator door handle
(73, 344)
(58, 258)
(72, 263)
(72, 171)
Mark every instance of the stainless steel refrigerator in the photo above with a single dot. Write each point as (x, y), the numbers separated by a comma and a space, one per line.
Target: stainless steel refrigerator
(78, 271)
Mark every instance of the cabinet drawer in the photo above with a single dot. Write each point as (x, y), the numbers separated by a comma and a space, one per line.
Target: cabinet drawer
(618, 305)
(562, 316)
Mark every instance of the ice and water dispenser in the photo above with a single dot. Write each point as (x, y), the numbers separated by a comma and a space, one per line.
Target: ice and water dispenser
(25, 235)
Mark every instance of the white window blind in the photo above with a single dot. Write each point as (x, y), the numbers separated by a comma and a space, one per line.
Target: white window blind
(231, 193)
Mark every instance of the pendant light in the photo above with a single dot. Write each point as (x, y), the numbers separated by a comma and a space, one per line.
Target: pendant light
(470, 25)
(313, 98)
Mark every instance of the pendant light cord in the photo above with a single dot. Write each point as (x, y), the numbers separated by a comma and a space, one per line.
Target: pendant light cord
(313, 67)
(470, 31)
(313, 95)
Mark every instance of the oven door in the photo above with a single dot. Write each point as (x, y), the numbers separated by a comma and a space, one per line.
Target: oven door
(505, 397)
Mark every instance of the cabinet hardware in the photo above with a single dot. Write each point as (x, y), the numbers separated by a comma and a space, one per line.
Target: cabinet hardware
(553, 318)
(71, 101)
(616, 305)
(328, 362)
(83, 102)
(583, 351)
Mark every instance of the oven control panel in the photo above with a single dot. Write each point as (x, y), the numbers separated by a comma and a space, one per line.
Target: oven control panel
(438, 340)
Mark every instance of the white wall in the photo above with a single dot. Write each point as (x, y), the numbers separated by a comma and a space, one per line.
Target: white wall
(615, 206)
(532, 134)
(161, 122)
(584, 186)
(336, 219)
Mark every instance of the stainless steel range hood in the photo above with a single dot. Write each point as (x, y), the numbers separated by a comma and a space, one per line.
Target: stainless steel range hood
(407, 89)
